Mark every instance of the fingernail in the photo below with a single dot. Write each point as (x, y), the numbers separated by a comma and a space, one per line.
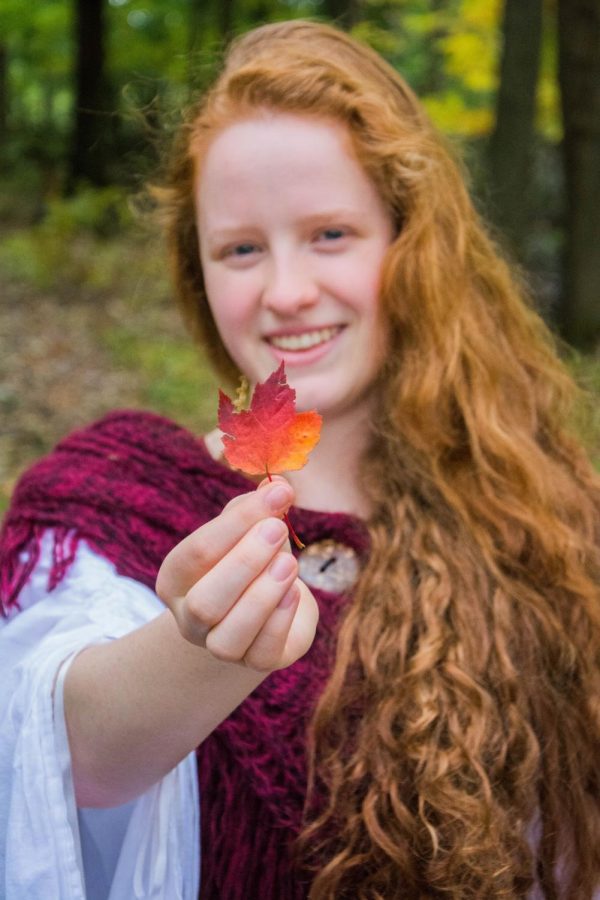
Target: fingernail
(289, 598)
(272, 530)
(278, 496)
(282, 567)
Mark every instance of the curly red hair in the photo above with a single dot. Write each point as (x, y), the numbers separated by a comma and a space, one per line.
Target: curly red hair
(457, 741)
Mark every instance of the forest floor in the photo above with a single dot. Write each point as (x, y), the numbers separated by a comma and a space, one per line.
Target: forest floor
(70, 352)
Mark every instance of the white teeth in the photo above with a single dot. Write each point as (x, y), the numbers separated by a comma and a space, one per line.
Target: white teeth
(303, 341)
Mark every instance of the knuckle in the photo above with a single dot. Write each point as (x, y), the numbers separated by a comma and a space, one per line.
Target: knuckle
(201, 613)
(165, 583)
(219, 649)
(235, 501)
(247, 511)
(264, 654)
(261, 600)
(197, 552)
(248, 559)
(261, 661)
(189, 633)
(161, 589)
(190, 629)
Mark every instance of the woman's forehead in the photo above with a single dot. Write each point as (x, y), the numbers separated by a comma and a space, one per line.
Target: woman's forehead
(274, 127)
(265, 144)
(301, 160)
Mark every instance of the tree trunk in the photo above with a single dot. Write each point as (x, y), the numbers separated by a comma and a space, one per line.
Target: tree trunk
(225, 9)
(511, 144)
(344, 13)
(3, 94)
(579, 78)
(205, 15)
(92, 121)
(435, 76)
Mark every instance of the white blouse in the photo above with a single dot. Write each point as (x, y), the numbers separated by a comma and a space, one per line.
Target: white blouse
(49, 849)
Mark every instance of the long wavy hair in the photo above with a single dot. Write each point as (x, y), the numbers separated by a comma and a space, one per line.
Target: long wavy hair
(455, 751)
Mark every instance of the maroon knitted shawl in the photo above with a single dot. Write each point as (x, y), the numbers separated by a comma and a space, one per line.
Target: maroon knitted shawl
(132, 486)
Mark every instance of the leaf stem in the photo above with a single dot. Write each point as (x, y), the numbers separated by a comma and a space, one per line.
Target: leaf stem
(286, 519)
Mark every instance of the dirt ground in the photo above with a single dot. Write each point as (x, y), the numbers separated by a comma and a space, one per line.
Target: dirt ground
(55, 373)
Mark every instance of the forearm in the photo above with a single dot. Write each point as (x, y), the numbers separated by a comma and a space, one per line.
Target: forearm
(135, 707)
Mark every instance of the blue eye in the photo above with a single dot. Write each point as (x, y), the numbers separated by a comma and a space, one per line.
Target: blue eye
(243, 249)
(332, 234)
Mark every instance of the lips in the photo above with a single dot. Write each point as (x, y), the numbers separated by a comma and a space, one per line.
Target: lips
(305, 340)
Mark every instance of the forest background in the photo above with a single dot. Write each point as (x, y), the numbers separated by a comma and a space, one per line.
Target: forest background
(91, 89)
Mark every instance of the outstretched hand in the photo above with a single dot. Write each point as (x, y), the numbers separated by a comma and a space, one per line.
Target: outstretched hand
(232, 585)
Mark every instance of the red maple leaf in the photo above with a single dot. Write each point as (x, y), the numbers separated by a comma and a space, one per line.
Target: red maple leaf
(270, 436)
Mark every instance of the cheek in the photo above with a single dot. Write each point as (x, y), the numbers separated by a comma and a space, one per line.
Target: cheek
(365, 291)
(363, 282)
(227, 299)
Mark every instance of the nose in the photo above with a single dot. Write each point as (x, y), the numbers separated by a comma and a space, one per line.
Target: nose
(289, 286)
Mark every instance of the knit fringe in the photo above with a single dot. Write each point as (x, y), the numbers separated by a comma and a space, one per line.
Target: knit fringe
(19, 554)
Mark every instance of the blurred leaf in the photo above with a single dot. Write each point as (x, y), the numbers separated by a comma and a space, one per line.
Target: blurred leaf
(471, 57)
(451, 114)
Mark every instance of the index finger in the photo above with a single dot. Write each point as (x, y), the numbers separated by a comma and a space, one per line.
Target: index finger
(198, 552)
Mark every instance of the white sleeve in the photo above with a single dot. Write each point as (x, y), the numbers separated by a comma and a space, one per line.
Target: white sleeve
(148, 849)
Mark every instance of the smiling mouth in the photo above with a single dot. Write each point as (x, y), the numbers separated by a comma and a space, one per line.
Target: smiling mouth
(305, 341)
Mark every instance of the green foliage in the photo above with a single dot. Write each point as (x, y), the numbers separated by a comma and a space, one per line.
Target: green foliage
(158, 53)
(468, 45)
(448, 51)
(548, 101)
(99, 211)
(148, 42)
(586, 371)
(177, 381)
(68, 248)
(37, 36)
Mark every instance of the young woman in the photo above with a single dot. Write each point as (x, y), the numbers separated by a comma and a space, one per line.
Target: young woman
(436, 732)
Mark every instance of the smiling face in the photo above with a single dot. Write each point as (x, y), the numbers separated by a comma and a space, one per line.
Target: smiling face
(293, 234)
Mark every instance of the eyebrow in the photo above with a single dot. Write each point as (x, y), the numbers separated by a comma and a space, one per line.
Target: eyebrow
(329, 215)
(313, 221)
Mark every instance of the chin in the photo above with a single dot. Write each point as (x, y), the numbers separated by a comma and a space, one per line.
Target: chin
(307, 399)
(329, 407)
